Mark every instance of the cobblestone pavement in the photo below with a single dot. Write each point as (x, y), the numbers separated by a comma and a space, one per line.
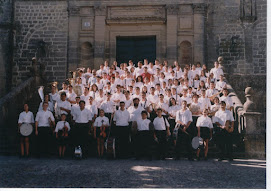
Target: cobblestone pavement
(102, 173)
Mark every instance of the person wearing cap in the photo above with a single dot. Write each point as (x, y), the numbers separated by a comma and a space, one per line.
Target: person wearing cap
(144, 130)
(108, 106)
(185, 131)
(223, 119)
(122, 130)
(61, 130)
(82, 127)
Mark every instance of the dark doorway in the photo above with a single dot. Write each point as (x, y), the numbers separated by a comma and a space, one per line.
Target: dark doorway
(136, 48)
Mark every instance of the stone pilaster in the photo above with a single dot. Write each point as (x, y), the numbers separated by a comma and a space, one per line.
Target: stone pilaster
(199, 22)
(99, 35)
(172, 23)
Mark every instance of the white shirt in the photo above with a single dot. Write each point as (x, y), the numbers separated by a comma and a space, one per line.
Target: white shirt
(153, 98)
(162, 106)
(108, 106)
(71, 96)
(43, 118)
(173, 110)
(220, 85)
(118, 96)
(160, 123)
(82, 116)
(65, 104)
(60, 125)
(122, 118)
(227, 100)
(145, 103)
(217, 72)
(211, 92)
(99, 121)
(49, 108)
(187, 99)
(143, 125)
(74, 107)
(93, 110)
(184, 116)
(135, 113)
(26, 117)
(223, 116)
(204, 122)
(206, 103)
(128, 103)
(54, 97)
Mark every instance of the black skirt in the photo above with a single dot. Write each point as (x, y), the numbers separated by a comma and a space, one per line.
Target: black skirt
(61, 140)
(204, 132)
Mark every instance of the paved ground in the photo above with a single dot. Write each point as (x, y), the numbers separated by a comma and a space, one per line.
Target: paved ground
(102, 173)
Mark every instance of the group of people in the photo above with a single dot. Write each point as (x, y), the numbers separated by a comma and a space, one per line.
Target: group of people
(150, 104)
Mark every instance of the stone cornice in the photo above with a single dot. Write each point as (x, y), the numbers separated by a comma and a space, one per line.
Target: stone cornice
(199, 8)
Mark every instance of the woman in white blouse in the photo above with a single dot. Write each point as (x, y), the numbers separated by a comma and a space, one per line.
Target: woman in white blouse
(205, 126)
(25, 117)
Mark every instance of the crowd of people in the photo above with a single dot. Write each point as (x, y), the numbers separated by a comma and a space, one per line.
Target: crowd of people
(141, 106)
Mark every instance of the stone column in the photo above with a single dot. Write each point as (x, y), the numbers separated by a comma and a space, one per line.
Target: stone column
(254, 132)
(172, 18)
(199, 39)
(99, 36)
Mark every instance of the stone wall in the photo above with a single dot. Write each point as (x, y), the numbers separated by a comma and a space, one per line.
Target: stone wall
(5, 48)
(41, 31)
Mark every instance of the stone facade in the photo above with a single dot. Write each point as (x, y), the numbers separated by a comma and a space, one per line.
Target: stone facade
(64, 35)
(41, 32)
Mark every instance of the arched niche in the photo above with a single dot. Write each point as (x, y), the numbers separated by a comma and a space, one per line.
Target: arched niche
(186, 53)
(87, 55)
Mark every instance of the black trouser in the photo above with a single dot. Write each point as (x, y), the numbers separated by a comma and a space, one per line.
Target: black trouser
(44, 137)
(184, 139)
(143, 143)
(224, 142)
(80, 136)
(122, 140)
(108, 115)
(162, 143)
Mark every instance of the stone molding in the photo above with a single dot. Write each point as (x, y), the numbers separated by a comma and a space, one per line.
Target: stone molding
(199, 8)
(172, 9)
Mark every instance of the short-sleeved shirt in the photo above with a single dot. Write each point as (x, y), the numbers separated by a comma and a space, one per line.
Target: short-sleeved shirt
(82, 116)
(184, 116)
(160, 123)
(143, 125)
(43, 118)
(222, 116)
(99, 121)
(204, 122)
(26, 117)
(135, 113)
(60, 125)
(122, 118)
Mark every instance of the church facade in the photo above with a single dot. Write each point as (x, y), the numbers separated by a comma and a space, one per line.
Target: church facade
(64, 35)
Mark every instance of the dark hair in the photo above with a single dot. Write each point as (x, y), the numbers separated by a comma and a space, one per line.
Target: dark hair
(122, 102)
(63, 93)
(82, 101)
(159, 109)
(144, 112)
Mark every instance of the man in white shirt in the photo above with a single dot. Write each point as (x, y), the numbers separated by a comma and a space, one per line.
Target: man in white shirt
(185, 131)
(62, 107)
(161, 127)
(227, 99)
(82, 127)
(224, 126)
(216, 71)
(135, 110)
(121, 131)
(108, 106)
(43, 122)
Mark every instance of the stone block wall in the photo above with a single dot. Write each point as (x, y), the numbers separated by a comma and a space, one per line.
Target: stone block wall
(42, 32)
(5, 48)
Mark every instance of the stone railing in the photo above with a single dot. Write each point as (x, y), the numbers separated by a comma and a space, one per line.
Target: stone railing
(11, 105)
(247, 122)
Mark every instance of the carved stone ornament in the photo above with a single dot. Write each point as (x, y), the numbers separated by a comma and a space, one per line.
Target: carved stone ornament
(172, 9)
(248, 10)
(100, 10)
(249, 105)
(199, 8)
(74, 10)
